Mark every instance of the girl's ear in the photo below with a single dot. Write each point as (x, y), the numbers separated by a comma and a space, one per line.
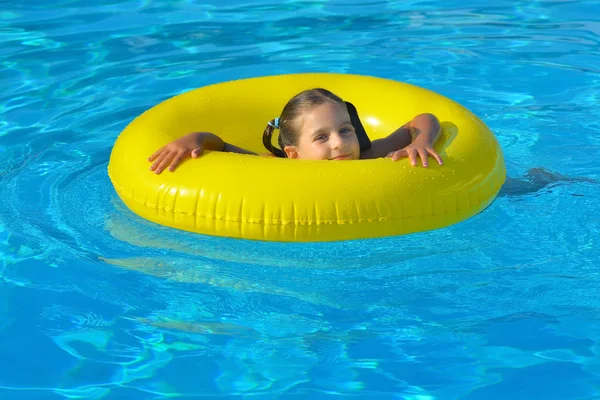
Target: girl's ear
(291, 151)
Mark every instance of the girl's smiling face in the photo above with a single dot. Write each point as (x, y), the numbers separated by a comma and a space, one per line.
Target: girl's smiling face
(326, 133)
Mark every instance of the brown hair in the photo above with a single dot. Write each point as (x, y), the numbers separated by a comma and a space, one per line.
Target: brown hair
(297, 106)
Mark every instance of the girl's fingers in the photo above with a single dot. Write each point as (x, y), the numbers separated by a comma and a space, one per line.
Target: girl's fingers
(156, 154)
(158, 160)
(178, 158)
(412, 156)
(423, 155)
(398, 154)
(435, 155)
(164, 162)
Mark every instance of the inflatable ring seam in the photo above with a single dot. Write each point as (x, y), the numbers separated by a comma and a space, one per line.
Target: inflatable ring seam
(478, 203)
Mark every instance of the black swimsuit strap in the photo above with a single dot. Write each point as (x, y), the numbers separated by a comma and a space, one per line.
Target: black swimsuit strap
(361, 134)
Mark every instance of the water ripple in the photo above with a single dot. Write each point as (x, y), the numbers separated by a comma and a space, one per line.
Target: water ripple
(130, 307)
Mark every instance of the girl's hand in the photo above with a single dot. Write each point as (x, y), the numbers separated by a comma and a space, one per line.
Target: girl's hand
(174, 153)
(418, 148)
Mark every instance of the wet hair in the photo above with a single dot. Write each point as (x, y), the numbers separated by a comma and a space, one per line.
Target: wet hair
(298, 105)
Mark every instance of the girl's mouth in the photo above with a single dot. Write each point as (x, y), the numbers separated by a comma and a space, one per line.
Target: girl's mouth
(342, 157)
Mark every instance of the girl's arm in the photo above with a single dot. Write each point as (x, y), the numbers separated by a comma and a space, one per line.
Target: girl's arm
(190, 145)
(413, 139)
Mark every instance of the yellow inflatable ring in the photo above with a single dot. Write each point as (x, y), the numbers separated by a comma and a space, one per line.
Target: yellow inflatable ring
(273, 199)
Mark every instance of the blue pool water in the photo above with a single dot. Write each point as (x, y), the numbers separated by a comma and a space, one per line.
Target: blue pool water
(98, 303)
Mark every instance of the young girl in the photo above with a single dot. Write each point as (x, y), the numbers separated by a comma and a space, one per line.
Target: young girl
(316, 125)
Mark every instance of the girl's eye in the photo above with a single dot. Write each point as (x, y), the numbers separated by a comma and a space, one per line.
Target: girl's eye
(346, 130)
(320, 137)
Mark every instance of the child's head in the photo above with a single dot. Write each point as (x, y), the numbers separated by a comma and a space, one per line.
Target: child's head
(314, 125)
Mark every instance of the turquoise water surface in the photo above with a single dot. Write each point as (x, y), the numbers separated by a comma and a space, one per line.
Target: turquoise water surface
(98, 303)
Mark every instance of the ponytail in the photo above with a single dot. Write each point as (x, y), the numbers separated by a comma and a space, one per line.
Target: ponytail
(267, 139)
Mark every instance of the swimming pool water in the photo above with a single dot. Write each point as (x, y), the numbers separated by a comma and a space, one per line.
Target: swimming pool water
(98, 303)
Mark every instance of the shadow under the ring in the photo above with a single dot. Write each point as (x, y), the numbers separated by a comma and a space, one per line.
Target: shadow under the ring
(536, 179)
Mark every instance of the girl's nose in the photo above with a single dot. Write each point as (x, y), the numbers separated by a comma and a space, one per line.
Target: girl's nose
(336, 140)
